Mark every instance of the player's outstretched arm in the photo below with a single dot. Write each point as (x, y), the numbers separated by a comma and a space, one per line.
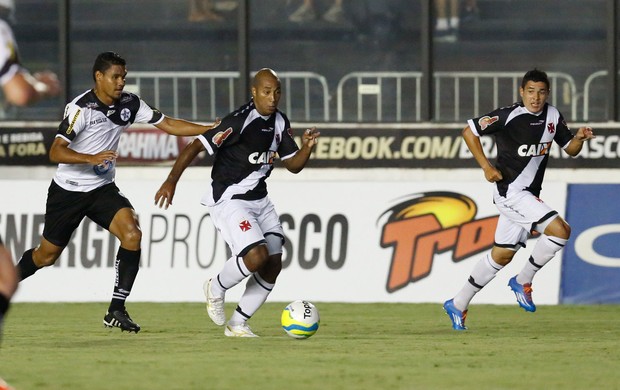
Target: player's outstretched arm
(491, 173)
(575, 144)
(309, 139)
(182, 127)
(163, 197)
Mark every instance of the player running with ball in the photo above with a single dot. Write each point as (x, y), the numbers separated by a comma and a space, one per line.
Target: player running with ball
(245, 145)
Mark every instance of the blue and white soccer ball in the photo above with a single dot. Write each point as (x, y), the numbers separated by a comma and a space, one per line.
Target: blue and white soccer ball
(300, 319)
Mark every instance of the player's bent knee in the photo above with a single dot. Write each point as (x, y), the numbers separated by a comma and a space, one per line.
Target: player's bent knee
(559, 228)
(502, 256)
(270, 271)
(256, 258)
(131, 236)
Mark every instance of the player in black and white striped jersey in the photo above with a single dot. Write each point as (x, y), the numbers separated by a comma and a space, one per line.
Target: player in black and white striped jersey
(85, 149)
(245, 145)
(524, 133)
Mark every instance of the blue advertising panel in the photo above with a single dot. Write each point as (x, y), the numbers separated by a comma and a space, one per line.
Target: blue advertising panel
(591, 264)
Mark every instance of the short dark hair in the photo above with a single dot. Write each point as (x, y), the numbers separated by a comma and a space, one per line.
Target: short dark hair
(105, 60)
(536, 76)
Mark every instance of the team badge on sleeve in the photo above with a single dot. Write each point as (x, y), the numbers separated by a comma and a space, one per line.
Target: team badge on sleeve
(487, 121)
(219, 138)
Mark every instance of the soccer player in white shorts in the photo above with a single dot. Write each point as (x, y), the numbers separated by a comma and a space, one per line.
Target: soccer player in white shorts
(245, 144)
(523, 133)
(244, 225)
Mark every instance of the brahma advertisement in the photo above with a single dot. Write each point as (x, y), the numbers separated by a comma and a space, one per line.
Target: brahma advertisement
(348, 241)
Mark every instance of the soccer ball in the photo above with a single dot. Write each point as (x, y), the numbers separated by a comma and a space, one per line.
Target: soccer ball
(300, 319)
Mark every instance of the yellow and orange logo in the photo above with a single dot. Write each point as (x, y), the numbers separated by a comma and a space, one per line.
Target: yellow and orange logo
(428, 224)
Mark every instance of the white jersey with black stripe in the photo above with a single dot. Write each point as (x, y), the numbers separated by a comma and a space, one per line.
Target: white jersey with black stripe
(9, 55)
(523, 141)
(91, 127)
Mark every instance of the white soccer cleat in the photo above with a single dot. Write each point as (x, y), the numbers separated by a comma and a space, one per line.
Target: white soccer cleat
(239, 330)
(215, 305)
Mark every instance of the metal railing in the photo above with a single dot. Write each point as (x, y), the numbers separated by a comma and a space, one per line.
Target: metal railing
(361, 96)
(589, 96)
(489, 90)
(380, 85)
(206, 95)
(458, 95)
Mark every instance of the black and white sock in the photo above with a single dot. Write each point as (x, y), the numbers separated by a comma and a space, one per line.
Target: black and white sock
(233, 273)
(484, 271)
(256, 292)
(545, 249)
(26, 266)
(127, 265)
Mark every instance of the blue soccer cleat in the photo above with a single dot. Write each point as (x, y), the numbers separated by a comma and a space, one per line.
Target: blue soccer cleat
(523, 292)
(456, 316)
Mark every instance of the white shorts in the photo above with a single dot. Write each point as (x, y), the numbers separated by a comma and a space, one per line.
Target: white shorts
(244, 224)
(520, 214)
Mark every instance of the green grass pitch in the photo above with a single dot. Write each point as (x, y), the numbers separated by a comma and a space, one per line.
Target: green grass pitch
(358, 346)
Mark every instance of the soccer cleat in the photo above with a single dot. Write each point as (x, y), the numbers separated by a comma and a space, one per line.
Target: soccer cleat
(120, 319)
(456, 316)
(240, 330)
(523, 293)
(215, 306)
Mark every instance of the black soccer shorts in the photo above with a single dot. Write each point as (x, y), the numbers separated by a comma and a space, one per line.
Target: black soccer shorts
(65, 210)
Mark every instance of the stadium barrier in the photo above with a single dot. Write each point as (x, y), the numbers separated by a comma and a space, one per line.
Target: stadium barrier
(350, 238)
(195, 95)
(397, 95)
(348, 246)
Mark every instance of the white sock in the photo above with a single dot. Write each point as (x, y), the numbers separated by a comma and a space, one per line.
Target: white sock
(255, 294)
(233, 273)
(544, 250)
(484, 271)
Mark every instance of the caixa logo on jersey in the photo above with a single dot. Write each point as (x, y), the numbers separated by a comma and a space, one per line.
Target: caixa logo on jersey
(261, 158)
(534, 150)
(425, 225)
(595, 245)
